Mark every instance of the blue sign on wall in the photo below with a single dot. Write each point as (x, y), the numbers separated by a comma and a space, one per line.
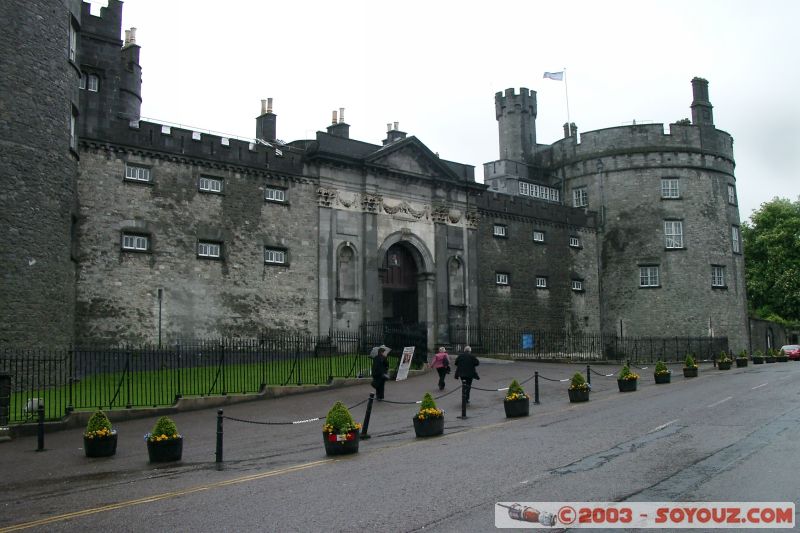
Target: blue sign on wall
(527, 341)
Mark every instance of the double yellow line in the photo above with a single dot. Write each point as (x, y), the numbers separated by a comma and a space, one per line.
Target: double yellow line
(164, 496)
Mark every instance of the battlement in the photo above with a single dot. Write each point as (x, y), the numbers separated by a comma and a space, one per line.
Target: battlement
(637, 139)
(217, 150)
(506, 205)
(511, 101)
(107, 25)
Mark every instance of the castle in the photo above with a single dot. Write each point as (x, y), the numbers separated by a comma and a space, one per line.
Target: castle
(121, 230)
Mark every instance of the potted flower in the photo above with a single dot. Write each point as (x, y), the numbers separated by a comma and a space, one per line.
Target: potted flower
(689, 367)
(724, 362)
(770, 358)
(758, 357)
(782, 357)
(516, 402)
(741, 359)
(99, 440)
(627, 380)
(578, 389)
(164, 443)
(662, 374)
(340, 432)
(429, 421)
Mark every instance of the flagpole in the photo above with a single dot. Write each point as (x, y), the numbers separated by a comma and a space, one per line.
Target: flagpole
(566, 95)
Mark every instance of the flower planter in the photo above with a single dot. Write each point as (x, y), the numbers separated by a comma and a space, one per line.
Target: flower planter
(577, 395)
(724, 365)
(690, 372)
(782, 358)
(662, 378)
(100, 446)
(515, 408)
(741, 363)
(758, 360)
(165, 451)
(627, 385)
(769, 359)
(430, 427)
(341, 444)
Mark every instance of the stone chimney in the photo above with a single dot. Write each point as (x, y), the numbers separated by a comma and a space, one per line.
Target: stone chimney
(339, 128)
(266, 125)
(393, 134)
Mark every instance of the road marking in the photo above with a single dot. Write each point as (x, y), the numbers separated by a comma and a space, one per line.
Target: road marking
(662, 426)
(721, 401)
(758, 386)
(164, 496)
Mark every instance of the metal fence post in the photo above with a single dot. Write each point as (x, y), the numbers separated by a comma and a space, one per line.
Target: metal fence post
(219, 436)
(463, 400)
(588, 375)
(536, 387)
(365, 425)
(40, 439)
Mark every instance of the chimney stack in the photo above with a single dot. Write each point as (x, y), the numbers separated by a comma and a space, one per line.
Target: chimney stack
(393, 134)
(338, 127)
(702, 110)
(266, 123)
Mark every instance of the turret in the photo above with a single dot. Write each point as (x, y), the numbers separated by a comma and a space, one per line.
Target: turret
(516, 115)
(702, 114)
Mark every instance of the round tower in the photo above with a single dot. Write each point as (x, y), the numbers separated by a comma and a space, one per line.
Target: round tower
(38, 166)
(516, 115)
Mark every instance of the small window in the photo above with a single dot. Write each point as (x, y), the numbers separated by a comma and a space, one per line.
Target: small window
(73, 132)
(673, 234)
(577, 285)
(731, 194)
(135, 243)
(737, 246)
(137, 173)
(670, 188)
(211, 185)
(73, 41)
(274, 256)
(82, 82)
(575, 242)
(499, 230)
(579, 197)
(717, 276)
(274, 195)
(538, 236)
(648, 276)
(541, 282)
(501, 278)
(92, 83)
(209, 249)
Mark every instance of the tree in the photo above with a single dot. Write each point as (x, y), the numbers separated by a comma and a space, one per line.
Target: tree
(772, 260)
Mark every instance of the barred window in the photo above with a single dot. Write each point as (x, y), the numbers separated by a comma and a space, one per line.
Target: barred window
(137, 172)
(717, 276)
(274, 256)
(670, 188)
(501, 278)
(274, 195)
(138, 243)
(541, 282)
(673, 234)
(577, 285)
(499, 230)
(648, 276)
(209, 249)
(579, 197)
(210, 184)
(538, 236)
(575, 242)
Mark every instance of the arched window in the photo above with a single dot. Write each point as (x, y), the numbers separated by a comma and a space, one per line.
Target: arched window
(346, 272)
(455, 278)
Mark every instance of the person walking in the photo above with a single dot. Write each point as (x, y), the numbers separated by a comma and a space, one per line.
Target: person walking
(465, 370)
(380, 372)
(441, 362)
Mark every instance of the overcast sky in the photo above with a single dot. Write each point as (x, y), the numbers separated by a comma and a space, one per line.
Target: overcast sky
(435, 65)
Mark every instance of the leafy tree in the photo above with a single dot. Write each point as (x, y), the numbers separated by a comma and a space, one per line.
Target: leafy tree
(772, 260)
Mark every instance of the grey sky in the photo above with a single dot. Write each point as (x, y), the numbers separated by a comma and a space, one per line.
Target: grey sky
(434, 66)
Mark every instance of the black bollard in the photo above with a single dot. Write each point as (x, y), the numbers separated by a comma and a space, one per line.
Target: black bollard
(588, 375)
(463, 401)
(40, 409)
(219, 436)
(365, 425)
(536, 388)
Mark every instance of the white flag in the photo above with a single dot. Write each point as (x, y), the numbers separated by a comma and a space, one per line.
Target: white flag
(558, 76)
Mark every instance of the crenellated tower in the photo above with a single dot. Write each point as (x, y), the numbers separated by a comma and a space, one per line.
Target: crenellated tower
(516, 117)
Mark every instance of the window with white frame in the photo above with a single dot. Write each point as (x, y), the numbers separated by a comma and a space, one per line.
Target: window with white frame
(538, 236)
(575, 242)
(670, 188)
(82, 82)
(137, 172)
(92, 83)
(274, 256)
(717, 276)
(731, 194)
(577, 284)
(737, 247)
(136, 243)
(212, 250)
(499, 230)
(541, 282)
(673, 234)
(648, 276)
(274, 195)
(579, 197)
(208, 184)
(73, 131)
(73, 41)
(501, 278)
(539, 191)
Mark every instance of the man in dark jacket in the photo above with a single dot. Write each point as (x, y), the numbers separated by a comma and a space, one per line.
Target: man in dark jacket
(465, 370)
(380, 372)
